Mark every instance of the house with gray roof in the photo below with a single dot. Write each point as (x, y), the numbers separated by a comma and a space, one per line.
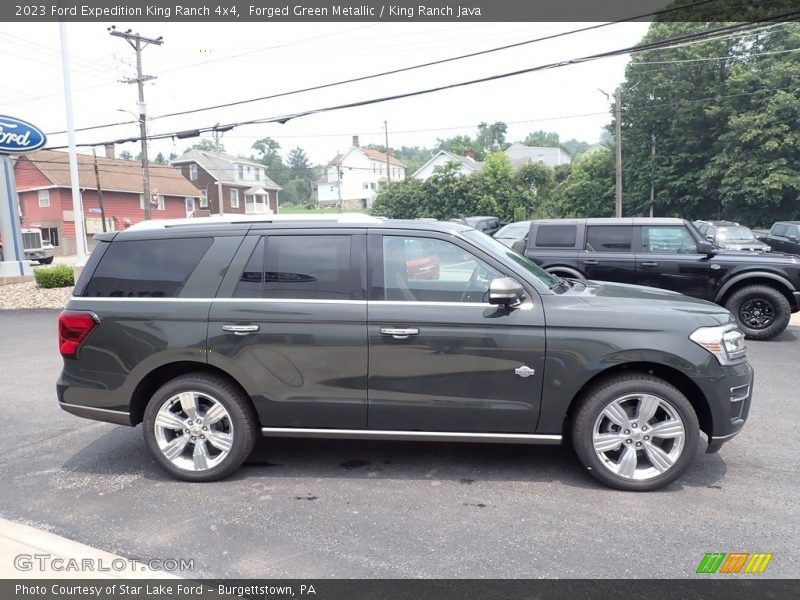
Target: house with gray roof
(466, 164)
(229, 184)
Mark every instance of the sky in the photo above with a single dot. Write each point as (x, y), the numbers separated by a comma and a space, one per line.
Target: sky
(207, 64)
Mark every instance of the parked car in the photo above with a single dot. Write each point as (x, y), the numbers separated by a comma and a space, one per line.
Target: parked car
(761, 290)
(487, 225)
(210, 335)
(728, 235)
(513, 232)
(784, 236)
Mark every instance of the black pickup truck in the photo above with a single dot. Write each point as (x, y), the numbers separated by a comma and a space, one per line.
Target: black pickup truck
(761, 290)
(783, 236)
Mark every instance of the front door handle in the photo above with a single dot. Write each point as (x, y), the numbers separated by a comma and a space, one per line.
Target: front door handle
(240, 329)
(649, 264)
(399, 334)
(590, 262)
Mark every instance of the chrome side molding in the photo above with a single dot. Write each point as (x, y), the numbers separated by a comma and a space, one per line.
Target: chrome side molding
(424, 436)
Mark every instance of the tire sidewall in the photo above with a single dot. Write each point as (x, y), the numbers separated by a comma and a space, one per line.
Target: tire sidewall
(243, 438)
(596, 402)
(778, 302)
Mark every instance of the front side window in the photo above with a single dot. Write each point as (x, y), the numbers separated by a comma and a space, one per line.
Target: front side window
(779, 229)
(300, 267)
(672, 240)
(147, 268)
(609, 238)
(417, 269)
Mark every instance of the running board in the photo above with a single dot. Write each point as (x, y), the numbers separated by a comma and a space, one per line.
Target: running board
(423, 436)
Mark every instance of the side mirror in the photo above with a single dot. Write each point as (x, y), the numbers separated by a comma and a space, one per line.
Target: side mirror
(705, 248)
(710, 238)
(505, 292)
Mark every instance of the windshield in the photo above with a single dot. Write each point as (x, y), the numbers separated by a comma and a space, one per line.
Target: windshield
(513, 230)
(494, 247)
(738, 234)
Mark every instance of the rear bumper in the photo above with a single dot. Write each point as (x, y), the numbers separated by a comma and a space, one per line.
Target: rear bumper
(728, 396)
(92, 412)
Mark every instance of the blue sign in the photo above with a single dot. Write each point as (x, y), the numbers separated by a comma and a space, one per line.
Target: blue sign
(19, 137)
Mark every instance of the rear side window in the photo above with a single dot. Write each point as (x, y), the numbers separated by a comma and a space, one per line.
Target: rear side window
(609, 238)
(147, 268)
(556, 236)
(300, 267)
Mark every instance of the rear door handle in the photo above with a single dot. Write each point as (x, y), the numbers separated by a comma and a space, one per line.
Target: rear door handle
(399, 334)
(649, 264)
(590, 262)
(241, 329)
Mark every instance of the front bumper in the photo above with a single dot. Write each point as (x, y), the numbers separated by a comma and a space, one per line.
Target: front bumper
(728, 395)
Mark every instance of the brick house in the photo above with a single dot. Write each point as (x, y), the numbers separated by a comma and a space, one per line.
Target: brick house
(243, 184)
(45, 195)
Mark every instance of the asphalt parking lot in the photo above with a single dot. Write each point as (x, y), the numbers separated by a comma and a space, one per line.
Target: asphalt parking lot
(307, 509)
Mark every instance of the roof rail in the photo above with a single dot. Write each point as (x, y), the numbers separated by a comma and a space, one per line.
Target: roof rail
(244, 219)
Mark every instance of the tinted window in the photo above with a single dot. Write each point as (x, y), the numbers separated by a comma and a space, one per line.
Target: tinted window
(430, 270)
(251, 280)
(308, 266)
(609, 238)
(147, 268)
(668, 240)
(556, 236)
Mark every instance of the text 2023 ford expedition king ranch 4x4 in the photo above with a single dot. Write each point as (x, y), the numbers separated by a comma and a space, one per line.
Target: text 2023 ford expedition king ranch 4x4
(761, 290)
(211, 334)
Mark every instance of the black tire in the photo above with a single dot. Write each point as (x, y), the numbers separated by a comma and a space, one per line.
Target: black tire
(243, 421)
(761, 311)
(46, 261)
(600, 397)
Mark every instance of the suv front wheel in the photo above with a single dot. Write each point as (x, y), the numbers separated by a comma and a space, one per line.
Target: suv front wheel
(199, 427)
(635, 432)
(761, 312)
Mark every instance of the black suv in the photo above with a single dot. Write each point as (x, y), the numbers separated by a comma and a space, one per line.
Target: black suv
(212, 334)
(727, 235)
(784, 236)
(761, 290)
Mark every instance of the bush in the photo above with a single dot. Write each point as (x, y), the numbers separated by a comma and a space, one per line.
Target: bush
(54, 277)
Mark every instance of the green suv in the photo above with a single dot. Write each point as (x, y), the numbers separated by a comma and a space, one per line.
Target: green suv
(212, 332)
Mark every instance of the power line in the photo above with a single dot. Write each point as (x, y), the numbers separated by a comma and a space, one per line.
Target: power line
(660, 44)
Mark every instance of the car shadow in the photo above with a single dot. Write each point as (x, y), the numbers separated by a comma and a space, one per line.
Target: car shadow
(122, 452)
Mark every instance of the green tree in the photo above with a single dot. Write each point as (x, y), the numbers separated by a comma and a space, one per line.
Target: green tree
(159, 159)
(460, 144)
(269, 155)
(587, 191)
(491, 138)
(206, 145)
(543, 139)
(125, 155)
(298, 163)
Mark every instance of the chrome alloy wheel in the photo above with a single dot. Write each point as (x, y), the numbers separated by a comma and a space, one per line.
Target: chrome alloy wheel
(638, 436)
(193, 431)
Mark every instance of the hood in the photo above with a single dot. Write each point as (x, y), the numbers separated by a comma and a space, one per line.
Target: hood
(627, 301)
(751, 246)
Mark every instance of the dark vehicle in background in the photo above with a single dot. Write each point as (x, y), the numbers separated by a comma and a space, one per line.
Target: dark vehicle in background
(728, 235)
(513, 232)
(487, 225)
(784, 236)
(761, 290)
(210, 335)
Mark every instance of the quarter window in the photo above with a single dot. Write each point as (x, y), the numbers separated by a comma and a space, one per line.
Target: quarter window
(147, 268)
(609, 238)
(429, 270)
(672, 240)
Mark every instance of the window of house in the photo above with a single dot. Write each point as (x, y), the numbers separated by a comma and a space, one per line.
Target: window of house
(44, 198)
(234, 198)
(192, 172)
(203, 198)
(240, 168)
(258, 174)
(153, 206)
(365, 186)
(50, 234)
(609, 238)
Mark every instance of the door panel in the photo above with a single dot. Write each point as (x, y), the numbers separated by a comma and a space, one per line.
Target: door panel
(451, 366)
(609, 255)
(669, 260)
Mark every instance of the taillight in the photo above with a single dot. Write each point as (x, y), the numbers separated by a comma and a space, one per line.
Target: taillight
(73, 328)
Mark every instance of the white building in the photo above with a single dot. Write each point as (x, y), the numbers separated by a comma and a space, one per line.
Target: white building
(466, 164)
(520, 155)
(353, 179)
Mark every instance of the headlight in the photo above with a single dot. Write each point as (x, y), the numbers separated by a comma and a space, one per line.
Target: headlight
(724, 341)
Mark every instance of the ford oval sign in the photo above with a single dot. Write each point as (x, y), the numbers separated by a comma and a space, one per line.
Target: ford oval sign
(19, 137)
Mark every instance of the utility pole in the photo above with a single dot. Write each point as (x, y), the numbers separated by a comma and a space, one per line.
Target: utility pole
(339, 178)
(652, 171)
(388, 168)
(139, 43)
(99, 190)
(618, 119)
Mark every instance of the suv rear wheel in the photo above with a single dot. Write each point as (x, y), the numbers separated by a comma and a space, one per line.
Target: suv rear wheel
(199, 427)
(761, 312)
(635, 432)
